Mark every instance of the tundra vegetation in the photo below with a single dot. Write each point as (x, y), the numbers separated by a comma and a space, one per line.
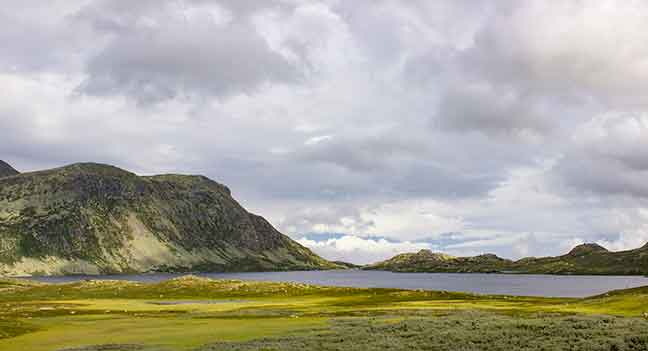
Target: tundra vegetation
(191, 313)
(588, 259)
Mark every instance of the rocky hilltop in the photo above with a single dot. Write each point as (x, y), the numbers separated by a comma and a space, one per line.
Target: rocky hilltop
(583, 259)
(428, 261)
(589, 259)
(93, 218)
(6, 170)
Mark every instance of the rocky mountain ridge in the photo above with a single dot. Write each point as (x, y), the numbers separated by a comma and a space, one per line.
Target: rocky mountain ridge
(90, 218)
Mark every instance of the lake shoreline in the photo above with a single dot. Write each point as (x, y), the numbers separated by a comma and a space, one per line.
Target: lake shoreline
(577, 286)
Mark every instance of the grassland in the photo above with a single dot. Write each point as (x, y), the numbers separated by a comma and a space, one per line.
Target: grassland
(192, 313)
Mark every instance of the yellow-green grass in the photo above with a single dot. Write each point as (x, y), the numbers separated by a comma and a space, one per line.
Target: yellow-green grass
(175, 333)
(185, 313)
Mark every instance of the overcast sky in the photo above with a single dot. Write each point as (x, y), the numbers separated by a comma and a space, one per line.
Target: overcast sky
(361, 128)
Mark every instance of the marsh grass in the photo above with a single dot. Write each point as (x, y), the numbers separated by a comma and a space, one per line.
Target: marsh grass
(238, 315)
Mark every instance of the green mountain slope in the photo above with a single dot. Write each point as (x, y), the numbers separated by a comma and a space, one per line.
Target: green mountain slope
(92, 218)
(589, 259)
(583, 259)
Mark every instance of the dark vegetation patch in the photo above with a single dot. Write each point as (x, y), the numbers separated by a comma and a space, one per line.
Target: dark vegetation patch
(117, 347)
(11, 327)
(465, 332)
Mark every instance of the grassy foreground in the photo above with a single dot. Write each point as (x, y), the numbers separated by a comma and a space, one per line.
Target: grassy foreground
(192, 313)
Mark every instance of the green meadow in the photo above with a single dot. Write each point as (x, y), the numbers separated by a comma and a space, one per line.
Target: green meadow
(191, 313)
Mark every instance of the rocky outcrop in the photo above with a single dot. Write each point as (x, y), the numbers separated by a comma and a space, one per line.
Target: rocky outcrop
(93, 218)
(6, 170)
(428, 261)
(587, 249)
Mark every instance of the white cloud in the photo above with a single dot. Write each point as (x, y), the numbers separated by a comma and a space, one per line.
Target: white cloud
(361, 250)
(317, 139)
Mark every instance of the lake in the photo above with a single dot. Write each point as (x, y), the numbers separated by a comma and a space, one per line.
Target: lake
(507, 284)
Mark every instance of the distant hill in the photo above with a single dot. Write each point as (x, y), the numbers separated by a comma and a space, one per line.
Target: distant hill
(347, 264)
(583, 259)
(427, 261)
(589, 259)
(6, 170)
(92, 218)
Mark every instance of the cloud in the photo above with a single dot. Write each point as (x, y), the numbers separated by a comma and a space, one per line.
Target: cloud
(169, 50)
(360, 250)
(520, 127)
(38, 38)
(582, 50)
(608, 156)
(484, 108)
(359, 154)
(347, 219)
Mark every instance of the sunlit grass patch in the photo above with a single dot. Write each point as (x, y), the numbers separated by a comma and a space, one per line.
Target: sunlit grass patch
(176, 333)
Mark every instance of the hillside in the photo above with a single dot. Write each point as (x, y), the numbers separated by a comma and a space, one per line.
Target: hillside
(589, 259)
(6, 170)
(92, 218)
(583, 259)
(427, 261)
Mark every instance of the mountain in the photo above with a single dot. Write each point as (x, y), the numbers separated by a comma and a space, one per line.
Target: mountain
(583, 259)
(91, 218)
(6, 170)
(427, 261)
(589, 259)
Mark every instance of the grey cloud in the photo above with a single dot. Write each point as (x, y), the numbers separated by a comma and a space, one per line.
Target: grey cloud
(37, 37)
(608, 156)
(484, 108)
(601, 177)
(537, 77)
(430, 179)
(344, 169)
(362, 154)
(282, 179)
(246, 7)
(404, 163)
(25, 143)
(575, 50)
(179, 57)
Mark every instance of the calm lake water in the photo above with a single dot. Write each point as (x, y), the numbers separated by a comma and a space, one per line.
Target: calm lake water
(508, 284)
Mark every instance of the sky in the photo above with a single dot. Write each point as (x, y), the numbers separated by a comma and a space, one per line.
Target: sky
(360, 128)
